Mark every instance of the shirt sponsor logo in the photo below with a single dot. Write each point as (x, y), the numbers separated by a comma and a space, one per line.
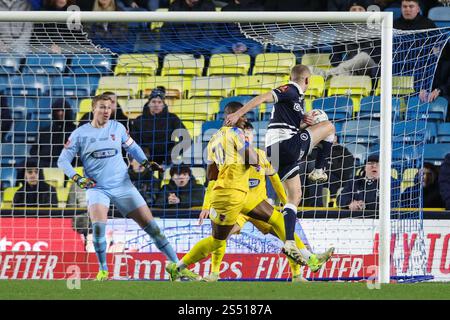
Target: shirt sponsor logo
(104, 153)
(253, 183)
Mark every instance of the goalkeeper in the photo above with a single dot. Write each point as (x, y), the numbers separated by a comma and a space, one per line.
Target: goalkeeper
(256, 208)
(99, 144)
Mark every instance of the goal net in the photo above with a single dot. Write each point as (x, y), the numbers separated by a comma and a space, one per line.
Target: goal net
(171, 83)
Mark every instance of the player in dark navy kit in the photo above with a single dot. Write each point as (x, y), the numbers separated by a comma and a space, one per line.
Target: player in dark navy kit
(290, 136)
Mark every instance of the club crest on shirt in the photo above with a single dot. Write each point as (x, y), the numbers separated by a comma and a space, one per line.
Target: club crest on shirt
(113, 137)
(283, 88)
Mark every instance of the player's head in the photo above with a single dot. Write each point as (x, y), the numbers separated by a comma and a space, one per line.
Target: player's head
(101, 108)
(181, 175)
(156, 101)
(410, 9)
(248, 131)
(429, 174)
(232, 107)
(372, 167)
(300, 74)
(357, 6)
(113, 98)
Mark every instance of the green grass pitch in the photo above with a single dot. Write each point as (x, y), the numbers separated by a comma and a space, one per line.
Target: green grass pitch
(164, 290)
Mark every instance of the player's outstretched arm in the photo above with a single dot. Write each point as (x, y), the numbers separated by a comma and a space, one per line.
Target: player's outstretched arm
(233, 118)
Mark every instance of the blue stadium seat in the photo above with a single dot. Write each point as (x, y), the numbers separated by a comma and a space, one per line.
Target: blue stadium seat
(371, 108)
(74, 86)
(440, 16)
(433, 111)
(431, 132)
(409, 132)
(4, 82)
(336, 107)
(13, 154)
(360, 131)
(28, 85)
(9, 64)
(397, 12)
(8, 177)
(267, 112)
(443, 133)
(253, 115)
(91, 64)
(359, 152)
(209, 128)
(26, 130)
(406, 154)
(435, 153)
(45, 64)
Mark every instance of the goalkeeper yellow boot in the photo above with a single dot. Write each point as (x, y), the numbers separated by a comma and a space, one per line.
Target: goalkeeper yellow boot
(173, 272)
(324, 257)
(212, 277)
(316, 261)
(102, 275)
(188, 275)
(318, 175)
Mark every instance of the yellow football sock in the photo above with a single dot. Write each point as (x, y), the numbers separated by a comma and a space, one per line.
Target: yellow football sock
(202, 249)
(216, 258)
(295, 268)
(299, 242)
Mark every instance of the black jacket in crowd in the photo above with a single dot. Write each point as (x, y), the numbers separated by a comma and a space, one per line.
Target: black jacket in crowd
(191, 195)
(444, 181)
(431, 197)
(41, 195)
(202, 5)
(420, 22)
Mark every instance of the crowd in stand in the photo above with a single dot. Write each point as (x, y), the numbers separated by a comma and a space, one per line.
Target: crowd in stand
(153, 129)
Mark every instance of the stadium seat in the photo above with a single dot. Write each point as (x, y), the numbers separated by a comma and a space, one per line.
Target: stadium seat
(210, 87)
(209, 128)
(435, 153)
(195, 109)
(62, 194)
(26, 130)
(76, 86)
(54, 177)
(265, 111)
(408, 132)
(359, 152)
(136, 64)
(176, 86)
(122, 86)
(8, 177)
(354, 86)
(9, 64)
(133, 108)
(28, 85)
(396, 11)
(8, 196)
(5, 81)
(194, 128)
(252, 115)
(443, 133)
(401, 85)
(440, 16)
(336, 107)
(13, 154)
(361, 131)
(371, 108)
(95, 64)
(85, 106)
(45, 64)
(408, 178)
(255, 85)
(182, 64)
(259, 130)
(274, 63)
(431, 132)
(228, 64)
(318, 60)
(155, 26)
(316, 87)
(433, 111)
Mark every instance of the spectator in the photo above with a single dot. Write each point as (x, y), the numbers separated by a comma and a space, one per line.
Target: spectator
(154, 128)
(431, 197)
(295, 5)
(444, 181)
(143, 180)
(116, 112)
(51, 142)
(15, 36)
(342, 167)
(347, 5)
(361, 193)
(34, 192)
(182, 191)
(244, 5)
(138, 5)
(192, 5)
(5, 118)
(411, 18)
(57, 5)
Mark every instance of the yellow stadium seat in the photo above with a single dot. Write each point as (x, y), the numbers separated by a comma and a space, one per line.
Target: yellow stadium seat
(194, 128)
(316, 86)
(8, 196)
(229, 64)
(409, 176)
(133, 108)
(85, 106)
(318, 60)
(155, 26)
(401, 85)
(176, 86)
(54, 177)
(255, 85)
(215, 86)
(122, 86)
(354, 86)
(274, 63)
(137, 64)
(182, 64)
(195, 109)
(62, 194)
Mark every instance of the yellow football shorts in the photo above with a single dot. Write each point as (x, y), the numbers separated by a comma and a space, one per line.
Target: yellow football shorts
(226, 205)
(252, 201)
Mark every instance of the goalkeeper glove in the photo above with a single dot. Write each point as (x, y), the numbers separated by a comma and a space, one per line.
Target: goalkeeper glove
(152, 166)
(83, 182)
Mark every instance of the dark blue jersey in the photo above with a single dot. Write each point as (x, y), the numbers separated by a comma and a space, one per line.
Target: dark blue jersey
(288, 109)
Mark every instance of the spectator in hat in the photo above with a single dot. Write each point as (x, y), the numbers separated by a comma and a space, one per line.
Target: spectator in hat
(427, 180)
(34, 192)
(182, 191)
(154, 128)
(362, 193)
